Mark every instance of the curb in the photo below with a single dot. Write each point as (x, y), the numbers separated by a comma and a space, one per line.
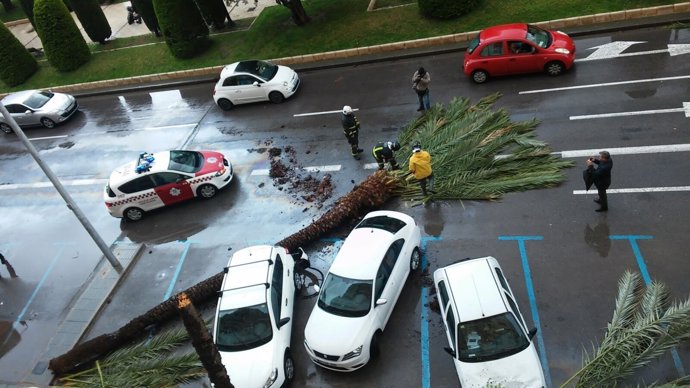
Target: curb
(575, 26)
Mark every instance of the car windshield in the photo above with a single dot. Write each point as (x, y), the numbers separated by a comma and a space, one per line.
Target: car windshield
(261, 69)
(243, 328)
(185, 161)
(490, 338)
(345, 297)
(474, 43)
(390, 224)
(541, 38)
(38, 99)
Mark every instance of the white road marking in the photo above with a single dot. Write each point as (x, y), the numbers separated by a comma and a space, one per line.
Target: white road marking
(334, 167)
(636, 190)
(48, 137)
(636, 81)
(327, 112)
(106, 132)
(615, 50)
(165, 127)
(626, 150)
(39, 185)
(685, 109)
(371, 166)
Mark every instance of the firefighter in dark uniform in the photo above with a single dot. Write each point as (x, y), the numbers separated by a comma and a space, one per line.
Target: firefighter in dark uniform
(351, 130)
(383, 153)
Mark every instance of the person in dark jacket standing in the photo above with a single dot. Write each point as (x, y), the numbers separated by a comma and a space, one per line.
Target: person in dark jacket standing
(601, 175)
(420, 84)
(351, 130)
(383, 153)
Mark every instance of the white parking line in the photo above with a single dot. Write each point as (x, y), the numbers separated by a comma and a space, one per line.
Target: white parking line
(334, 167)
(38, 185)
(626, 150)
(637, 81)
(327, 112)
(48, 137)
(635, 190)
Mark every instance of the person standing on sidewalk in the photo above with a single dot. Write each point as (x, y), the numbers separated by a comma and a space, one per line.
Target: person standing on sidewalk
(351, 130)
(601, 175)
(420, 84)
(420, 167)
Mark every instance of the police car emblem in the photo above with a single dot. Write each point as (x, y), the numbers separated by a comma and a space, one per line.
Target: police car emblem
(175, 192)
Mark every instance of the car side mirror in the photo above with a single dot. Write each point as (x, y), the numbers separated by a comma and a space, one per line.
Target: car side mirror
(381, 301)
(283, 322)
(256, 83)
(449, 351)
(532, 332)
(28, 112)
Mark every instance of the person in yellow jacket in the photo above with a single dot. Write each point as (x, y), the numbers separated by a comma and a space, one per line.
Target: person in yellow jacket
(420, 167)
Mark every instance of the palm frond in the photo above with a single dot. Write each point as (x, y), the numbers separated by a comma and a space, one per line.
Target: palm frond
(629, 289)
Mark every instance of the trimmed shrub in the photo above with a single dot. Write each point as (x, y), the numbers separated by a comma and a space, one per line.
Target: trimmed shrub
(93, 19)
(63, 44)
(446, 9)
(28, 8)
(148, 14)
(16, 64)
(185, 32)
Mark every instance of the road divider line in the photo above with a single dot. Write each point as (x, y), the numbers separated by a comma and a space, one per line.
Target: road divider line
(48, 137)
(326, 112)
(685, 109)
(637, 81)
(626, 150)
(637, 190)
(371, 166)
(328, 168)
(39, 185)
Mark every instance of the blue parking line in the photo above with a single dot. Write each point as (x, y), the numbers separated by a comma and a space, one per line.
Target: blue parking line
(532, 299)
(61, 248)
(180, 262)
(426, 368)
(632, 239)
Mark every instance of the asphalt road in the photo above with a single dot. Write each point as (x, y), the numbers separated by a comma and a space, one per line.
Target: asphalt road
(563, 260)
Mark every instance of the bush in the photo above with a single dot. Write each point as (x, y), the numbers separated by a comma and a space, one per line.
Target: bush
(185, 32)
(446, 9)
(63, 44)
(92, 19)
(16, 64)
(28, 8)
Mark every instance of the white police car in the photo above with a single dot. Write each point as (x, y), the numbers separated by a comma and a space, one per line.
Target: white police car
(165, 178)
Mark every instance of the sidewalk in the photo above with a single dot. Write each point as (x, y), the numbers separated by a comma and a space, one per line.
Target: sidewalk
(117, 18)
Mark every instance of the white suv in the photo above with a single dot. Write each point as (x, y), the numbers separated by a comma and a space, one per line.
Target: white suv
(489, 340)
(253, 323)
(360, 291)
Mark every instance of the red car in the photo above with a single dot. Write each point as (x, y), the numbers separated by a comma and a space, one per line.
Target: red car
(515, 49)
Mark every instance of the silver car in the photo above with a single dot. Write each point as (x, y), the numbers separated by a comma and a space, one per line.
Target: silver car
(38, 108)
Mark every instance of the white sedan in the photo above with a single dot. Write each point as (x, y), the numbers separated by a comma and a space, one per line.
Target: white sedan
(360, 291)
(253, 323)
(252, 81)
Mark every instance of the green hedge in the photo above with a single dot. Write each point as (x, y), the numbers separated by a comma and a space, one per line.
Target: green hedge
(93, 19)
(16, 64)
(185, 32)
(446, 9)
(63, 44)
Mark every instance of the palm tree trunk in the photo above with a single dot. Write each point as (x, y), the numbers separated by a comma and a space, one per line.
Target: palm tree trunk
(203, 342)
(373, 192)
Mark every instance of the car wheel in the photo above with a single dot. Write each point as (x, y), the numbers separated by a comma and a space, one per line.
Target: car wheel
(554, 68)
(415, 260)
(6, 128)
(374, 349)
(134, 214)
(480, 76)
(206, 191)
(225, 104)
(276, 97)
(288, 368)
(48, 123)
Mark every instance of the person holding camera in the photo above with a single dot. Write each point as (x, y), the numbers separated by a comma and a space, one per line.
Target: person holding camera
(601, 175)
(420, 84)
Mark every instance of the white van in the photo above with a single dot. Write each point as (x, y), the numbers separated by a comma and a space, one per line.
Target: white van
(488, 337)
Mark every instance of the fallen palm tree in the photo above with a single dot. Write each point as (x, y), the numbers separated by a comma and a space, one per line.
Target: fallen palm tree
(478, 153)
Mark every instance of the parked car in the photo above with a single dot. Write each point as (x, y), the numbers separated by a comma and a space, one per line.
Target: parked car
(489, 340)
(38, 108)
(361, 289)
(252, 81)
(516, 49)
(165, 178)
(253, 323)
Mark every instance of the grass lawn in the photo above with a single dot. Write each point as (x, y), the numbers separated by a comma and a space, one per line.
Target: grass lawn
(335, 25)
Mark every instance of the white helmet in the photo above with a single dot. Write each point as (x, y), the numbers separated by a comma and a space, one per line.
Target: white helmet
(347, 110)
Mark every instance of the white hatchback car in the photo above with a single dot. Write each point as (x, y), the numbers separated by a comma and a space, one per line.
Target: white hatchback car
(360, 291)
(253, 323)
(164, 178)
(252, 81)
(488, 337)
